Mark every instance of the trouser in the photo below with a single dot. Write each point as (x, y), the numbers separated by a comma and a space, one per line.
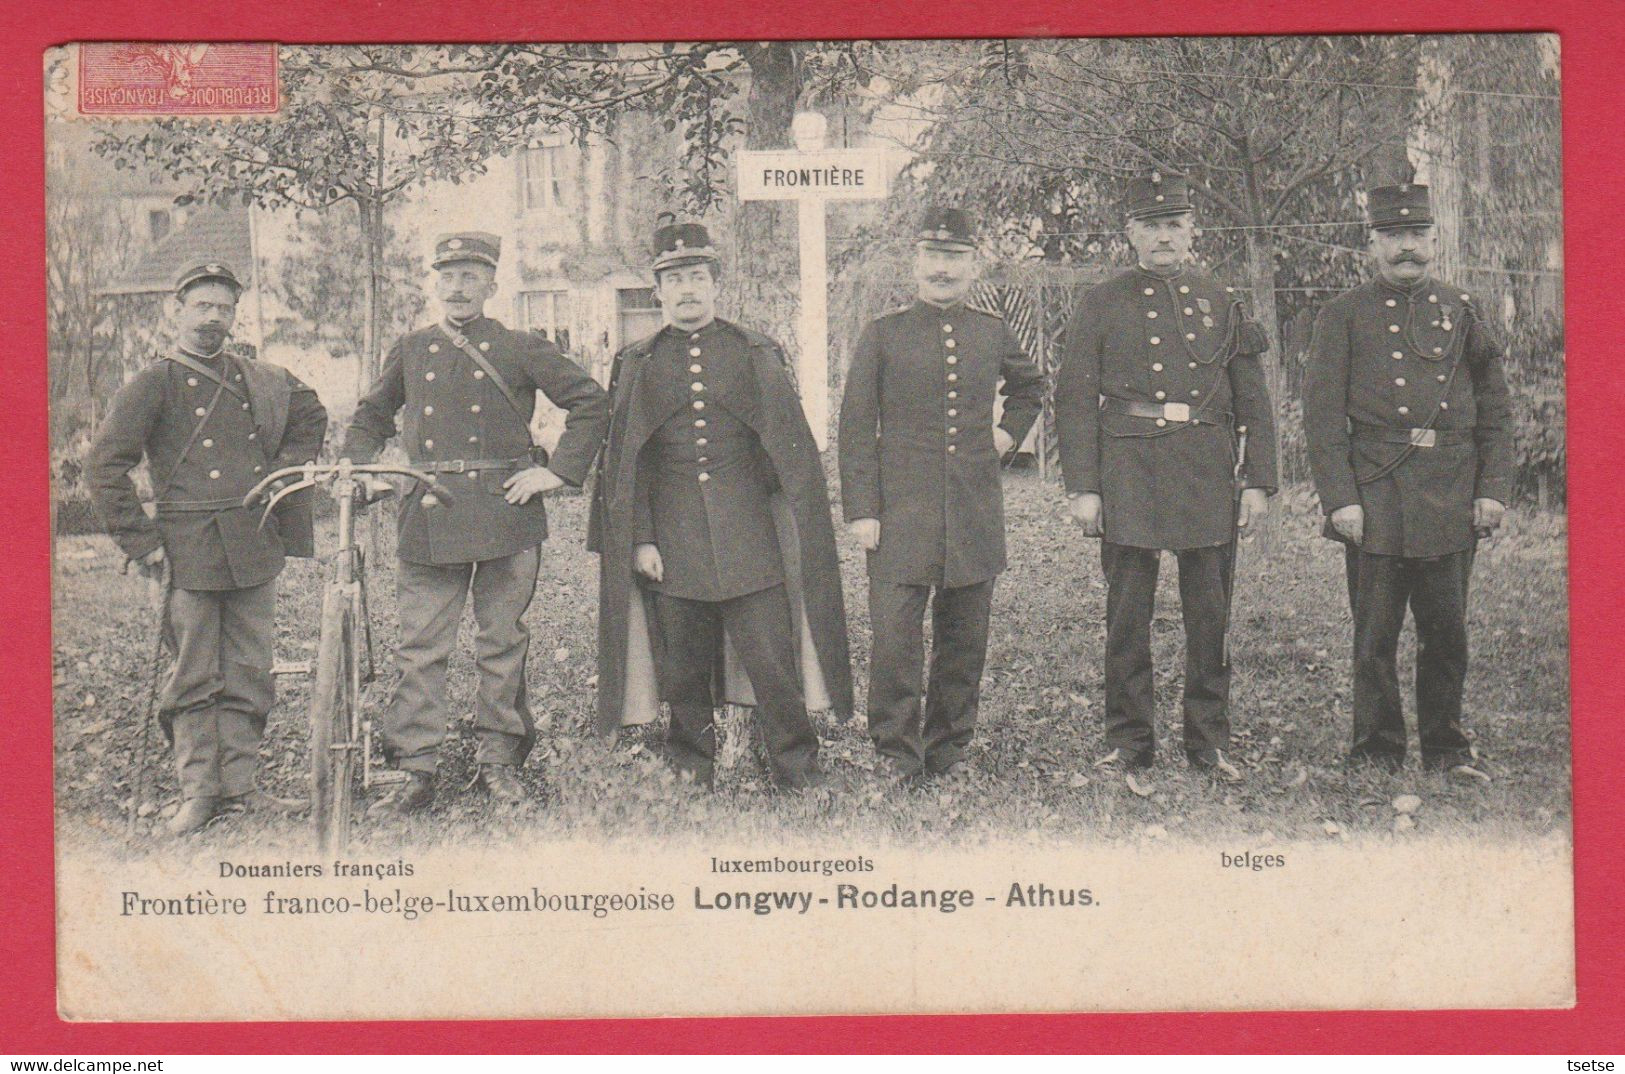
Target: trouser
(1435, 589)
(215, 702)
(431, 609)
(1131, 590)
(959, 626)
(760, 627)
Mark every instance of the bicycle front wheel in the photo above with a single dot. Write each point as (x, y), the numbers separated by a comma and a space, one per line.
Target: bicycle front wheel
(332, 739)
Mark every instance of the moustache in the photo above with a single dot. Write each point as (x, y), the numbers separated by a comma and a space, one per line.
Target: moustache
(1417, 259)
(943, 279)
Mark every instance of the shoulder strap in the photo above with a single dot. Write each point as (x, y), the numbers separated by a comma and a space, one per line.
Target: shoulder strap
(1410, 449)
(184, 359)
(462, 343)
(186, 449)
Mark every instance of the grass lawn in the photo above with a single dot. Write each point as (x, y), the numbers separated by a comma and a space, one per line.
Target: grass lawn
(1040, 722)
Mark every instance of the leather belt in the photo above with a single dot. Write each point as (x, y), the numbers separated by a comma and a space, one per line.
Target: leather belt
(174, 507)
(1182, 412)
(1422, 438)
(459, 466)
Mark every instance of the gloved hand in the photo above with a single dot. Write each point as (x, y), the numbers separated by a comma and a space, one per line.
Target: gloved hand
(1487, 516)
(1087, 510)
(646, 561)
(1350, 522)
(867, 532)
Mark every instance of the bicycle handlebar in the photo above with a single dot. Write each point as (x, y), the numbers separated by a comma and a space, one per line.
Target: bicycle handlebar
(311, 473)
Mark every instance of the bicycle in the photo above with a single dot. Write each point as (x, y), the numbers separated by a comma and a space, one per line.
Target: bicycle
(339, 732)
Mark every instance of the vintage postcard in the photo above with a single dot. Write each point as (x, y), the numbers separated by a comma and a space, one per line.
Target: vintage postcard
(808, 527)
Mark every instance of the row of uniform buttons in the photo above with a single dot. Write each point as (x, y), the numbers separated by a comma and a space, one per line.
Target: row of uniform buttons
(1443, 323)
(1151, 315)
(208, 441)
(953, 392)
(1161, 395)
(192, 382)
(697, 388)
(434, 348)
(479, 374)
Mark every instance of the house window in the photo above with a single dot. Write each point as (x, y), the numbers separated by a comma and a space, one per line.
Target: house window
(548, 312)
(541, 177)
(158, 223)
(637, 313)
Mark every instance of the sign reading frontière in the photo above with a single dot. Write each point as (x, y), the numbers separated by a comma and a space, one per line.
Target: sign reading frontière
(829, 174)
(811, 175)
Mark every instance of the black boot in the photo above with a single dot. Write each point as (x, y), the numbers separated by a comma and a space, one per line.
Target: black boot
(410, 797)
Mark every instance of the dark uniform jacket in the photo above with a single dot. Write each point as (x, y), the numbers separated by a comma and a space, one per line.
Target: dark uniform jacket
(704, 481)
(916, 440)
(1388, 358)
(1150, 340)
(207, 443)
(806, 538)
(452, 412)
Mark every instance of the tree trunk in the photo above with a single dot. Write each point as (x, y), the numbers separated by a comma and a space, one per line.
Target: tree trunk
(1261, 279)
(1391, 162)
(761, 273)
(85, 338)
(373, 240)
(1261, 276)
(372, 233)
(370, 532)
(1441, 119)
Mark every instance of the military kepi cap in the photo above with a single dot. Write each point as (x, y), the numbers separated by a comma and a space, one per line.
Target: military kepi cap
(208, 270)
(1156, 194)
(942, 228)
(479, 246)
(676, 245)
(1403, 205)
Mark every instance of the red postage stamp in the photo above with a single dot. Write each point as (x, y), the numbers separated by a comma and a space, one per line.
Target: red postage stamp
(166, 79)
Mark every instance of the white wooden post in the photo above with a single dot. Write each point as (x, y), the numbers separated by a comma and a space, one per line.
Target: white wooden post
(811, 176)
(812, 367)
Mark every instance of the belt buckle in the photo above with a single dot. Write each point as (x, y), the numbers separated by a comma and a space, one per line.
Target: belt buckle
(1424, 437)
(456, 467)
(1176, 411)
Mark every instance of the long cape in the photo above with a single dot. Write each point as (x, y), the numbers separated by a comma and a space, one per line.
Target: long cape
(628, 691)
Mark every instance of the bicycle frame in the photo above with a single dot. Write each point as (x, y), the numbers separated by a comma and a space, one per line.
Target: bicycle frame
(345, 587)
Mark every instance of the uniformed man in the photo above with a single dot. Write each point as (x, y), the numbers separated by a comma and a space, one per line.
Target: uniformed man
(1407, 419)
(1160, 372)
(210, 424)
(920, 484)
(466, 389)
(708, 437)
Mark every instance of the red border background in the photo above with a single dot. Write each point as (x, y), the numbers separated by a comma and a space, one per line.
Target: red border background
(1593, 43)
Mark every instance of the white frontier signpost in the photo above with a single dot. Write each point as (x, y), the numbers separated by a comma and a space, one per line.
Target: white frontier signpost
(811, 175)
